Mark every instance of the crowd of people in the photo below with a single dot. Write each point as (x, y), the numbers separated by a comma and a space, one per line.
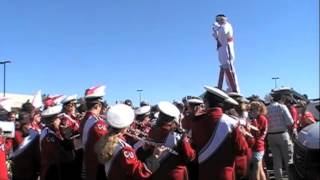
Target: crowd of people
(216, 136)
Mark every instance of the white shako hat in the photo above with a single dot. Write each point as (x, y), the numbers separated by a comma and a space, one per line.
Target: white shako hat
(95, 92)
(51, 111)
(143, 110)
(222, 96)
(169, 109)
(120, 116)
(69, 99)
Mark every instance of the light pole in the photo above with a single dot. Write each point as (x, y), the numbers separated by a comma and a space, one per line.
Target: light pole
(275, 81)
(140, 92)
(4, 76)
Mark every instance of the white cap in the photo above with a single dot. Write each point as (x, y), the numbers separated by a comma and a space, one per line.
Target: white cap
(169, 109)
(216, 92)
(195, 101)
(235, 94)
(69, 98)
(52, 110)
(142, 110)
(95, 92)
(221, 94)
(120, 116)
(238, 97)
(231, 101)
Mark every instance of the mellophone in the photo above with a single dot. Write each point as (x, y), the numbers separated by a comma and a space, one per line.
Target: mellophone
(132, 133)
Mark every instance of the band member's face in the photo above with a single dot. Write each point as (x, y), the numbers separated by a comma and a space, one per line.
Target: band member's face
(37, 118)
(56, 122)
(71, 107)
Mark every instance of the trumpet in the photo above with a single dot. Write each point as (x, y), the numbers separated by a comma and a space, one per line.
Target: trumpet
(137, 132)
(151, 142)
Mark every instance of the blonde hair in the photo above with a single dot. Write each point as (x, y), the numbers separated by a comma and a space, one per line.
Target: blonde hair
(258, 106)
(104, 148)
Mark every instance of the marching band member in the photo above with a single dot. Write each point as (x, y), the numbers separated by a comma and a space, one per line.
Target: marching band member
(165, 131)
(193, 107)
(240, 112)
(91, 129)
(216, 138)
(56, 153)
(119, 158)
(36, 121)
(26, 152)
(141, 124)
(70, 128)
(69, 119)
(142, 119)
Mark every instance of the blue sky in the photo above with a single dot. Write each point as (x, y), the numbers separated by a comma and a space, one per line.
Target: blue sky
(163, 47)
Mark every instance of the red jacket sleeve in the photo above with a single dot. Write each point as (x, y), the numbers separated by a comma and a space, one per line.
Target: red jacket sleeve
(188, 153)
(132, 166)
(240, 142)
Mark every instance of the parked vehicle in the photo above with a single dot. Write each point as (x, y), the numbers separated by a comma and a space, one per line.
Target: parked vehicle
(306, 155)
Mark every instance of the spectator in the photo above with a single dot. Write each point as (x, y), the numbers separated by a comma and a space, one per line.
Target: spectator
(280, 121)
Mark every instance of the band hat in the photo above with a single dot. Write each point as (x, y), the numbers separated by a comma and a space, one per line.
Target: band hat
(52, 110)
(143, 110)
(57, 99)
(95, 92)
(69, 99)
(232, 101)
(195, 101)
(120, 116)
(234, 94)
(216, 92)
(169, 109)
(238, 97)
(53, 100)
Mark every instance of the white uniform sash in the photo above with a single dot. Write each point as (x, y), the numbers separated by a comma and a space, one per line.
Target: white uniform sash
(219, 134)
(89, 124)
(25, 143)
(71, 119)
